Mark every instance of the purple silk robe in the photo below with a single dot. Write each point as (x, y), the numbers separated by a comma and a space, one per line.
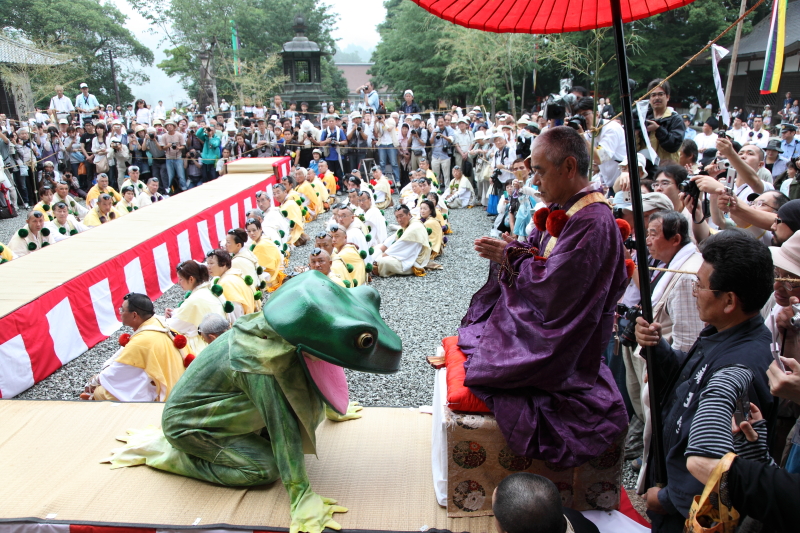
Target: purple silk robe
(535, 347)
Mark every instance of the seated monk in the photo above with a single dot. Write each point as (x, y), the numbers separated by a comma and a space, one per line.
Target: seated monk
(405, 252)
(147, 366)
(320, 260)
(534, 334)
(102, 212)
(102, 187)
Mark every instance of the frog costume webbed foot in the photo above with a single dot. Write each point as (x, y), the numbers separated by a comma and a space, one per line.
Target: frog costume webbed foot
(245, 411)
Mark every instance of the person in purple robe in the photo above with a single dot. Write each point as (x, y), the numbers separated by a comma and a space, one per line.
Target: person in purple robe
(535, 333)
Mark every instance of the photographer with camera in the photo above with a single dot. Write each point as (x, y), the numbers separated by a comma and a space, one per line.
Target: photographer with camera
(442, 149)
(745, 165)
(387, 138)
(358, 139)
(665, 127)
(609, 140)
(723, 372)
(263, 140)
(371, 99)
(419, 140)
(333, 137)
(409, 106)
(173, 143)
(756, 215)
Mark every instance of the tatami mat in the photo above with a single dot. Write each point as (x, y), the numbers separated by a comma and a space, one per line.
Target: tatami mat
(379, 467)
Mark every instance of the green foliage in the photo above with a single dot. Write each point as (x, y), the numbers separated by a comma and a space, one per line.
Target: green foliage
(263, 26)
(88, 30)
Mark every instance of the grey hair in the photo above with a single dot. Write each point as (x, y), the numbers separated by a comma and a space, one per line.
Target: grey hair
(563, 142)
(213, 324)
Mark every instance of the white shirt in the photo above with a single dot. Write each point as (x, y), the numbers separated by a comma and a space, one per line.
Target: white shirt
(704, 142)
(404, 251)
(159, 112)
(740, 135)
(610, 147)
(760, 138)
(376, 223)
(62, 105)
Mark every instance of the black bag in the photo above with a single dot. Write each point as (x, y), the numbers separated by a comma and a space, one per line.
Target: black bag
(466, 167)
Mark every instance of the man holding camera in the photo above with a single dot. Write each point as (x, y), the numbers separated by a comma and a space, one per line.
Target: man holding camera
(609, 142)
(371, 98)
(263, 140)
(442, 149)
(333, 136)
(358, 138)
(210, 153)
(419, 139)
(725, 369)
(173, 144)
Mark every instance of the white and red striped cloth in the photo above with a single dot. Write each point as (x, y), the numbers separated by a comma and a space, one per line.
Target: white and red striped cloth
(27, 527)
(52, 330)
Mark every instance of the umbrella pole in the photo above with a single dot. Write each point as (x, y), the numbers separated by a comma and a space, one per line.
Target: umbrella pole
(657, 443)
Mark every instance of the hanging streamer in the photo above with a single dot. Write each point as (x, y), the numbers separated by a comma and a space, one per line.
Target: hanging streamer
(235, 46)
(773, 60)
(717, 53)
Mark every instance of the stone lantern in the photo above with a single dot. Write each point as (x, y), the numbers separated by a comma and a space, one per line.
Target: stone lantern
(301, 64)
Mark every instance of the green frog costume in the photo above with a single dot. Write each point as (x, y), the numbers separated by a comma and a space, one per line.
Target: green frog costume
(246, 410)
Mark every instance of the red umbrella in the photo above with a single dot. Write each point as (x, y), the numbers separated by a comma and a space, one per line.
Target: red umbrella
(560, 16)
(541, 16)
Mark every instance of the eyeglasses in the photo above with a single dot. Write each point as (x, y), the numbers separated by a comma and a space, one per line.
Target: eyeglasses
(762, 203)
(778, 221)
(658, 95)
(663, 183)
(696, 288)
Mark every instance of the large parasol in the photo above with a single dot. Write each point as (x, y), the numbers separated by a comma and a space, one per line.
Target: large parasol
(561, 16)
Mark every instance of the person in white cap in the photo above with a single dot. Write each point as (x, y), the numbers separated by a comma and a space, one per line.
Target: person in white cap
(481, 167)
(358, 138)
(60, 105)
(409, 106)
(86, 103)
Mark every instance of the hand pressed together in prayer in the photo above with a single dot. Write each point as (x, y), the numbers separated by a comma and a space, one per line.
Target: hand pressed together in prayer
(491, 248)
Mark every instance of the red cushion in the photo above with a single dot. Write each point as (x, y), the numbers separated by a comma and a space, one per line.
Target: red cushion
(459, 397)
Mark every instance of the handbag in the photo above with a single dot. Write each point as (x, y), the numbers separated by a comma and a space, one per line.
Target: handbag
(712, 512)
(82, 170)
(102, 165)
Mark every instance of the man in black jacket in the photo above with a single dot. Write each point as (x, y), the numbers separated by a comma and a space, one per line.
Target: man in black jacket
(409, 106)
(726, 367)
(665, 127)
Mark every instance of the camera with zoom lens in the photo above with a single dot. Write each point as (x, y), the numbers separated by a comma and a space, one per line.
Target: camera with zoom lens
(795, 320)
(629, 243)
(358, 129)
(690, 188)
(628, 336)
(576, 122)
(174, 146)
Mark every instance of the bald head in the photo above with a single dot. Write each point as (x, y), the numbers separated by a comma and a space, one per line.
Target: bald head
(320, 260)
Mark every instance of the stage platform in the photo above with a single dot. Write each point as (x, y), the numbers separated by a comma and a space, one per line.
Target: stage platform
(60, 301)
(379, 467)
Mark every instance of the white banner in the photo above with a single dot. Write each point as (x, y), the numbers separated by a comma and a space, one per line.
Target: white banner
(717, 53)
(641, 107)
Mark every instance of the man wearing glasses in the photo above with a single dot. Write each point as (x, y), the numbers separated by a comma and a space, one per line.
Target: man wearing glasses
(32, 236)
(725, 367)
(665, 127)
(771, 211)
(148, 365)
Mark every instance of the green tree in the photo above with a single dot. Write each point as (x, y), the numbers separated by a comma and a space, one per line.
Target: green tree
(263, 26)
(90, 30)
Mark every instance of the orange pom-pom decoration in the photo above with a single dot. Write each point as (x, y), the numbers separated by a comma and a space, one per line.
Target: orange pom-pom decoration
(179, 342)
(624, 229)
(187, 360)
(124, 338)
(540, 219)
(556, 222)
(629, 267)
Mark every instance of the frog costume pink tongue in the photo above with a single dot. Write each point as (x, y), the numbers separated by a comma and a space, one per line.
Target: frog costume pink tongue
(329, 380)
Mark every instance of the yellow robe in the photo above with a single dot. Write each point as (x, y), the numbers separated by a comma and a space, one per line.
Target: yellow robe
(349, 255)
(339, 267)
(5, 253)
(435, 237)
(95, 192)
(271, 260)
(235, 290)
(122, 207)
(151, 349)
(322, 191)
(334, 277)
(293, 214)
(187, 318)
(247, 263)
(138, 187)
(48, 213)
(383, 186)
(93, 217)
(312, 201)
(329, 180)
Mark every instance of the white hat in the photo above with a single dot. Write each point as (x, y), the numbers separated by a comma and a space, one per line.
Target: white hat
(84, 85)
(193, 124)
(151, 130)
(465, 120)
(479, 135)
(316, 151)
(642, 164)
(274, 117)
(230, 127)
(477, 109)
(504, 126)
(63, 121)
(416, 117)
(408, 91)
(498, 135)
(787, 256)
(115, 121)
(170, 121)
(306, 126)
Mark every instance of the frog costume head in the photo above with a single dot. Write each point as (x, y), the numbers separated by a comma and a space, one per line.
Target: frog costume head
(337, 325)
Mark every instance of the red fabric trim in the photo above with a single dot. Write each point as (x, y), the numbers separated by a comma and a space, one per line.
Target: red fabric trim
(626, 508)
(30, 322)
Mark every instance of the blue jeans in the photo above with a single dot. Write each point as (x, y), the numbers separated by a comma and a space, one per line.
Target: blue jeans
(390, 152)
(175, 166)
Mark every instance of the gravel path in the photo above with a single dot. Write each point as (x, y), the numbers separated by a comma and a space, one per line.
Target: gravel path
(421, 310)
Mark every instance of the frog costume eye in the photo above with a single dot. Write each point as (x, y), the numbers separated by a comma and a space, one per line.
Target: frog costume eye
(365, 340)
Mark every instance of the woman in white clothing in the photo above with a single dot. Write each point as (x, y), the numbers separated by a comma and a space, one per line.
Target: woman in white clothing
(143, 115)
(100, 146)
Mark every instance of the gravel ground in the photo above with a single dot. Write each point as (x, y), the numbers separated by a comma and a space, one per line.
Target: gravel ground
(442, 298)
(9, 226)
